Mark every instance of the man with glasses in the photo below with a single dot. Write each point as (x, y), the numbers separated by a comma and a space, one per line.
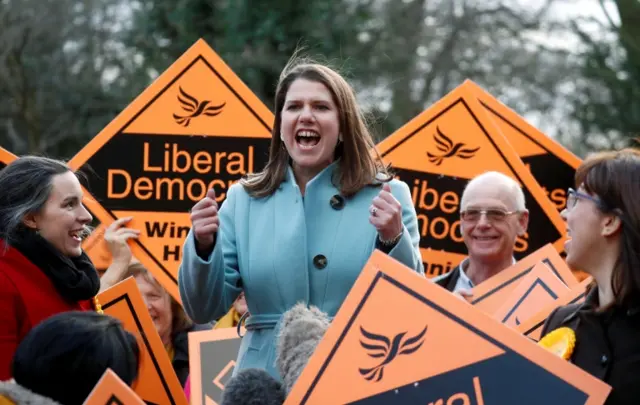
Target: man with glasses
(492, 216)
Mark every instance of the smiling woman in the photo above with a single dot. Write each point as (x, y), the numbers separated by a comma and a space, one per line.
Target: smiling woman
(603, 226)
(43, 270)
(302, 229)
(170, 320)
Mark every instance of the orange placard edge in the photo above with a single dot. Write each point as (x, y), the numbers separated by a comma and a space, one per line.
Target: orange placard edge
(195, 367)
(128, 290)
(511, 158)
(111, 390)
(519, 124)
(546, 254)
(6, 156)
(382, 267)
(540, 273)
(537, 321)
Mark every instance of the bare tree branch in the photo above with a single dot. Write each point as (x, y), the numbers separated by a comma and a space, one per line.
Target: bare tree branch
(612, 24)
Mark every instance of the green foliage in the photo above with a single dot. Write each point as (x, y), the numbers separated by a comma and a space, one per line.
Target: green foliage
(68, 67)
(53, 58)
(607, 102)
(255, 39)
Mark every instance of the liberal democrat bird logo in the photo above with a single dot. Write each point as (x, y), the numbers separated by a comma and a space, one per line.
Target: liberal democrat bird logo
(379, 346)
(449, 149)
(195, 108)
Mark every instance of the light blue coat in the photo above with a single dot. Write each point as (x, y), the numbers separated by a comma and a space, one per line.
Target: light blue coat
(267, 246)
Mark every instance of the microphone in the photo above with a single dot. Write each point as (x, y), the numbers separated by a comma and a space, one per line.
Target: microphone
(301, 330)
(253, 386)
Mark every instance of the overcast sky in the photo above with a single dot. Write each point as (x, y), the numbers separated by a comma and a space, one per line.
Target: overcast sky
(561, 10)
(564, 10)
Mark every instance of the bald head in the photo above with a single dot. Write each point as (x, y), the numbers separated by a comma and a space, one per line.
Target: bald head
(497, 186)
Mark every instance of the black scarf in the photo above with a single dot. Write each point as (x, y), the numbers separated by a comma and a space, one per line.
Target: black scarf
(75, 278)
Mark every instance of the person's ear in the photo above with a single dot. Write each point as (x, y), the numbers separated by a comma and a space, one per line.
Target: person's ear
(30, 221)
(523, 222)
(611, 224)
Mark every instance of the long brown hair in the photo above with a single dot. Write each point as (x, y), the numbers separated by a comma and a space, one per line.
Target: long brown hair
(614, 176)
(360, 165)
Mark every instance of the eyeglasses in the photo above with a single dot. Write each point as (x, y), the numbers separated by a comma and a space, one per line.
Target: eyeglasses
(492, 215)
(573, 196)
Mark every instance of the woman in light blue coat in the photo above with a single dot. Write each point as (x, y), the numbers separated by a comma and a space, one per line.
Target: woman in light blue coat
(304, 227)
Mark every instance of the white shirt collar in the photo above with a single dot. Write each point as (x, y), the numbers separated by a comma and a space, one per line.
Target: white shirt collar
(464, 282)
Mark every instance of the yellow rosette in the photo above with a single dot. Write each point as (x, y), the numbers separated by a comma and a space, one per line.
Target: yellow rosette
(97, 305)
(561, 342)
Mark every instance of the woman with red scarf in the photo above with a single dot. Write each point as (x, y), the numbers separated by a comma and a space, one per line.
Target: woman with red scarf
(43, 270)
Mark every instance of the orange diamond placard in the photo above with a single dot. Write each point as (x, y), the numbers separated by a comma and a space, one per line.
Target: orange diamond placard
(430, 347)
(157, 382)
(196, 127)
(537, 289)
(552, 165)
(438, 152)
(212, 360)
(532, 327)
(491, 294)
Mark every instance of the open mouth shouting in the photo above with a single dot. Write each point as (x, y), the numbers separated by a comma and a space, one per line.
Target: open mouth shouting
(307, 139)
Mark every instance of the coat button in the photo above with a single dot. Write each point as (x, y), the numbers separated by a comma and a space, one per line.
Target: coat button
(320, 261)
(337, 202)
(604, 360)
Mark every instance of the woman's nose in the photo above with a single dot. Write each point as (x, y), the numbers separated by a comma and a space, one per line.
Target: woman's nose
(85, 216)
(306, 115)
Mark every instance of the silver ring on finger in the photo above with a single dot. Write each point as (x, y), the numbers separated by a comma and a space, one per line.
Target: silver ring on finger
(374, 211)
